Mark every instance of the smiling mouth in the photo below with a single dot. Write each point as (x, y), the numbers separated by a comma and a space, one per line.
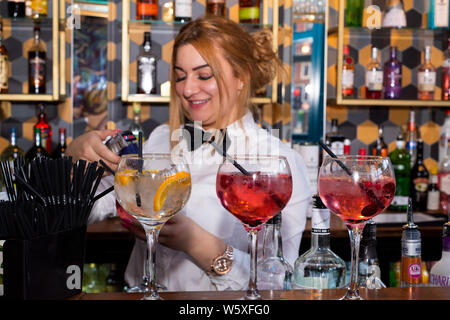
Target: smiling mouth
(198, 103)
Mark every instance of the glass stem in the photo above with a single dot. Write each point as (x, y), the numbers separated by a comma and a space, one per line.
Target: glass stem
(252, 291)
(152, 239)
(355, 232)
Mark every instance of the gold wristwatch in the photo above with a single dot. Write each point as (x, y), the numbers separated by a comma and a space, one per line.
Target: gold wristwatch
(222, 263)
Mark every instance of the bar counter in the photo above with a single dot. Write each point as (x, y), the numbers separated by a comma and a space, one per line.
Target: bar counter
(419, 293)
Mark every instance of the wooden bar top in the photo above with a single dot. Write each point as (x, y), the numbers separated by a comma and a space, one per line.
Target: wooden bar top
(419, 293)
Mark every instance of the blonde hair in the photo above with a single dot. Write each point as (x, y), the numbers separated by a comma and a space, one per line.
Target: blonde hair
(250, 55)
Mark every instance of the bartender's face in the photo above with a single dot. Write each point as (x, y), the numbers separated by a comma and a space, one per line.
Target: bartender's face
(199, 90)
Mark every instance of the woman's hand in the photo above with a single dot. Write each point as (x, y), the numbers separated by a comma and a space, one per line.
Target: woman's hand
(90, 147)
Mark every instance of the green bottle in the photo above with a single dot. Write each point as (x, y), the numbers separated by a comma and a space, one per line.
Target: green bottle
(401, 162)
(354, 13)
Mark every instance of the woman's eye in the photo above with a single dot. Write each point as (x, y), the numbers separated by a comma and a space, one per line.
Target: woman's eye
(180, 78)
(205, 77)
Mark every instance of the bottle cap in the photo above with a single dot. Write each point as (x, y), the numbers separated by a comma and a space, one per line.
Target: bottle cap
(410, 230)
(370, 230)
(317, 202)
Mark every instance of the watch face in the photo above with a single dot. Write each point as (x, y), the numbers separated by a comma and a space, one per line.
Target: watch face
(222, 265)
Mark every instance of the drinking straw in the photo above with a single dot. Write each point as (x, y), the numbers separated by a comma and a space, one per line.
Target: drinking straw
(30, 189)
(140, 164)
(233, 162)
(107, 167)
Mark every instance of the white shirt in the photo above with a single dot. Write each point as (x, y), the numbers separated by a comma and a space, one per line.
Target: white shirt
(176, 270)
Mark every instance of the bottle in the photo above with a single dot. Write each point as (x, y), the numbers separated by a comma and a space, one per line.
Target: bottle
(440, 272)
(444, 183)
(419, 180)
(3, 63)
(369, 267)
(28, 10)
(395, 16)
(374, 76)
(274, 272)
(167, 12)
(36, 64)
(445, 82)
(319, 267)
(136, 126)
(60, 150)
(411, 140)
(39, 8)
(379, 148)
(392, 76)
(147, 9)
(335, 139)
(249, 11)
(347, 146)
(215, 8)
(401, 164)
(36, 151)
(16, 8)
(183, 10)
(46, 129)
(146, 67)
(348, 74)
(433, 191)
(354, 13)
(426, 77)
(411, 263)
(113, 280)
(438, 13)
(12, 151)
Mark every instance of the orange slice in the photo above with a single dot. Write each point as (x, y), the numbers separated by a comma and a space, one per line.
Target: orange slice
(180, 178)
(126, 176)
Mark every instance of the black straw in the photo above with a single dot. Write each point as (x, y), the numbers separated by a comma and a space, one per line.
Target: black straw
(233, 162)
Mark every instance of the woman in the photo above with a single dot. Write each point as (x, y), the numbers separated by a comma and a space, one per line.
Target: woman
(217, 67)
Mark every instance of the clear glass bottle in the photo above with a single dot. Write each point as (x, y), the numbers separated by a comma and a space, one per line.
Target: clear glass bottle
(444, 183)
(12, 151)
(401, 164)
(394, 16)
(392, 76)
(411, 139)
(146, 67)
(39, 8)
(445, 81)
(60, 150)
(36, 64)
(440, 272)
(274, 272)
(183, 10)
(348, 74)
(374, 76)
(369, 267)
(3, 63)
(426, 77)
(433, 191)
(36, 151)
(136, 126)
(379, 148)
(438, 14)
(319, 267)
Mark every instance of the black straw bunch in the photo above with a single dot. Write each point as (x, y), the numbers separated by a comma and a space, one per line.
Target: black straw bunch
(47, 196)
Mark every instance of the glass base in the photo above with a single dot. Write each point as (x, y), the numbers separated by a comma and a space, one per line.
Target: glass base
(151, 296)
(252, 295)
(143, 287)
(351, 296)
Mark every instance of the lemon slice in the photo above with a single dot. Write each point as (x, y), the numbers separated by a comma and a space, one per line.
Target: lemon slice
(180, 178)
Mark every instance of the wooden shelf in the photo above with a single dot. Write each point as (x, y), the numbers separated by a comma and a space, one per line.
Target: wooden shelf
(165, 99)
(391, 102)
(26, 97)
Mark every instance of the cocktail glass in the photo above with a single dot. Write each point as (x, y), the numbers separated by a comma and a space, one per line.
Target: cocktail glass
(254, 196)
(356, 189)
(152, 189)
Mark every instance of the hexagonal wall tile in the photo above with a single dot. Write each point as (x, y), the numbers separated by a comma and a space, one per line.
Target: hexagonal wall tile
(367, 132)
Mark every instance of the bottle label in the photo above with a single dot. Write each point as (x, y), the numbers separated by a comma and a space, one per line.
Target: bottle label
(183, 8)
(400, 201)
(147, 9)
(421, 184)
(426, 80)
(347, 79)
(147, 75)
(433, 200)
(37, 71)
(337, 147)
(439, 280)
(248, 13)
(411, 248)
(374, 80)
(444, 182)
(3, 71)
(441, 13)
(415, 270)
(320, 220)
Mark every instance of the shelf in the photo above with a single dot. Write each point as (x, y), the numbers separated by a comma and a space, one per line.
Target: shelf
(391, 102)
(334, 30)
(165, 99)
(26, 97)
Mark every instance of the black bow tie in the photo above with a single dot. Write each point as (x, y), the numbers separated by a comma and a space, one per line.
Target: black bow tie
(196, 136)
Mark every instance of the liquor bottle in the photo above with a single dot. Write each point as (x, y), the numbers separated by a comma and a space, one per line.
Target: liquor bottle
(3, 63)
(395, 16)
(440, 272)
(12, 151)
(419, 180)
(401, 164)
(146, 67)
(348, 74)
(136, 126)
(28, 10)
(249, 11)
(46, 130)
(183, 10)
(411, 263)
(60, 150)
(215, 8)
(433, 191)
(444, 137)
(347, 146)
(354, 13)
(16, 8)
(444, 183)
(392, 76)
(411, 140)
(167, 12)
(426, 77)
(147, 9)
(37, 150)
(36, 64)
(335, 139)
(446, 73)
(438, 13)
(319, 267)
(369, 267)
(379, 148)
(374, 76)
(274, 272)
(39, 8)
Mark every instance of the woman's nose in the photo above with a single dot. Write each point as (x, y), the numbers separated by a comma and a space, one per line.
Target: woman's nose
(190, 87)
